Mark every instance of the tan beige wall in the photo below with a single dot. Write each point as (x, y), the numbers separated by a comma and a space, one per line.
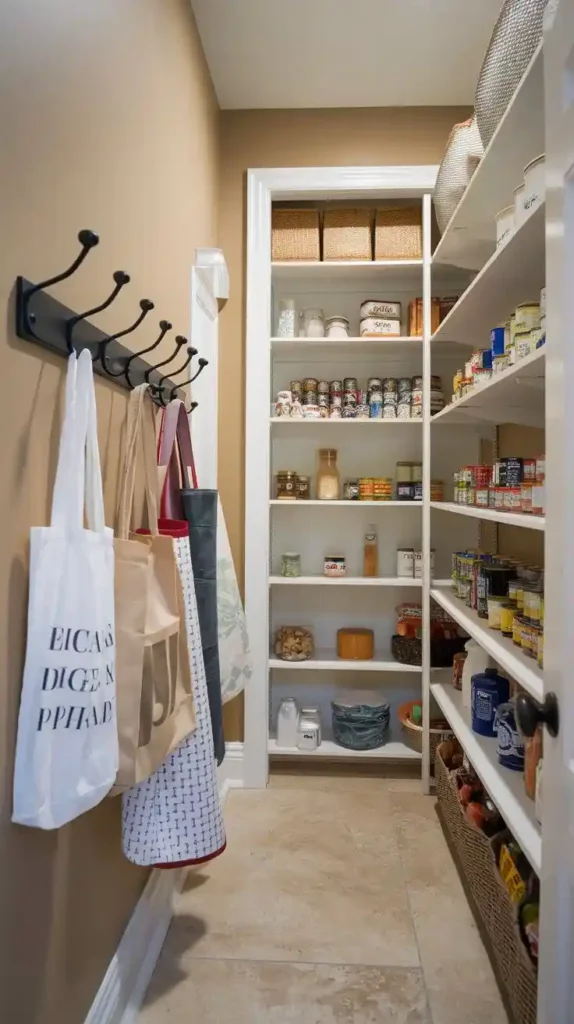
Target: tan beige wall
(108, 122)
(293, 138)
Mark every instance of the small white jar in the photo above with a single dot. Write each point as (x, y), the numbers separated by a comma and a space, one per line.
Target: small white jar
(534, 185)
(337, 327)
(519, 215)
(504, 225)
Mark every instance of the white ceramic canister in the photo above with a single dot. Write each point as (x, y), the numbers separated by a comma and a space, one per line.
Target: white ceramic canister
(287, 722)
(476, 661)
(380, 307)
(534, 185)
(519, 215)
(337, 327)
(374, 326)
(308, 731)
(405, 562)
(504, 225)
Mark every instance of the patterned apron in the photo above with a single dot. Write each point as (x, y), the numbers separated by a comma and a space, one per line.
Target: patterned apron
(174, 818)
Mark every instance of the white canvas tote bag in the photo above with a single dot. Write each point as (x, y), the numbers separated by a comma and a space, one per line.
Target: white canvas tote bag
(67, 746)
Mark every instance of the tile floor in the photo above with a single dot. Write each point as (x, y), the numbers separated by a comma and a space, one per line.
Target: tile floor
(336, 902)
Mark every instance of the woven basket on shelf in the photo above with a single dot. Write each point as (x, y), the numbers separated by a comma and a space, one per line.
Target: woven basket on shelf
(347, 234)
(413, 734)
(398, 233)
(295, 234)
(409, 650)
(476, 853)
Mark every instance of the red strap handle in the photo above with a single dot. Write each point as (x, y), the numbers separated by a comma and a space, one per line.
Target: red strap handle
(175, 456)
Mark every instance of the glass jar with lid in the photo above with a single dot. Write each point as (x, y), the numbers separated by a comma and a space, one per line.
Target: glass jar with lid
(328, 479)
(287, 485)
(313, 322)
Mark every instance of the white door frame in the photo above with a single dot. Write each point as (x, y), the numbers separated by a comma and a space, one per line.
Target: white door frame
(556, 973)
(264, 186)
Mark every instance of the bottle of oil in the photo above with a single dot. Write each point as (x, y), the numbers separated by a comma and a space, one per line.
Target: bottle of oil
(371, 552)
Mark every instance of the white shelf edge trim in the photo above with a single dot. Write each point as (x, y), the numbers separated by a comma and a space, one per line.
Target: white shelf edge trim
(523, 519)
(503, 785)
(524, 670)
(327, 661)
(392, 751)
(316, 502)
(345, 581)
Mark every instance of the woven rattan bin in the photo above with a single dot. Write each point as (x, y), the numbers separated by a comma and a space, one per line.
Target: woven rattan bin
(494, 907)
(347, 234)
(295, 234)
(398, 233)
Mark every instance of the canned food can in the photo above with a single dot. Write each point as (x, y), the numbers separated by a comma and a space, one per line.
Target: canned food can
(389, 384)
(335, 412)
(366, 488)
(336, 386)
(363, 412)
(390, 412)
(309, 398)
(405, 562)
(417, 383)
(374, 384)
(403, 385)
(336, 399)
(349, 412)
(351, 490)
(350, 384)
(376, 410)
(404, 411)
(323, 387)
(310, 384)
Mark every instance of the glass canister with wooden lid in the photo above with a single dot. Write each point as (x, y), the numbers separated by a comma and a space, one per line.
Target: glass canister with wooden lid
(328, 478)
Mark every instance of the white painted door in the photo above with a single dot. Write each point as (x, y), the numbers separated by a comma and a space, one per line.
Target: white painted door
(556, 979)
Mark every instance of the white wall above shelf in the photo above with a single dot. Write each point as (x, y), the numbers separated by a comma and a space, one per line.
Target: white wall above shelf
(345, 581)
(514, 396)
(470, 236)
(505, 787)
(493, 515)
(392, 751)
(510, 658)
(514, 273)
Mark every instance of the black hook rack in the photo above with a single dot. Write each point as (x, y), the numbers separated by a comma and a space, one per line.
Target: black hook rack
(44, 320)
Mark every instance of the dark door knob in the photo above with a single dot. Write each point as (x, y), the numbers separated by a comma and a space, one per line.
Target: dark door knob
(530, 713)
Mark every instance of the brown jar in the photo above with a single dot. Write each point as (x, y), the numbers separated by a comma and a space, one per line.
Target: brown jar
(287, 480)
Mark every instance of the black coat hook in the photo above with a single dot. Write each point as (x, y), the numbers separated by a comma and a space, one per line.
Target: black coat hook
(165, 326)
(88, 239)
(145, 305)
(121, 279)
(179, 342)
(202, 363)
(190, 352)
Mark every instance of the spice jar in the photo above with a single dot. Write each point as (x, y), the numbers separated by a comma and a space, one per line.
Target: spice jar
(328, 479)
(290, 564)
(303, 487)
(351, 490)
(287, 485)
(294, 643)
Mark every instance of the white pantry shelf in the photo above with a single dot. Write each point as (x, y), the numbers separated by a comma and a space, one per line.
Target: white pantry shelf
(505, 787)
(514, 396)
(392, 751)
(514, 273)
(345, 581)
(493, 515)
(315, 502)
(286, 421)
(326, 660)
(323, 270)
(510, 658)
(470, 236)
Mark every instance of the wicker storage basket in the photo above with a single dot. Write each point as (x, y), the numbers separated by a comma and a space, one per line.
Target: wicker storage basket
(398, 233)
(347, 234)
(295, 235)
(413, 734)
(476, 855)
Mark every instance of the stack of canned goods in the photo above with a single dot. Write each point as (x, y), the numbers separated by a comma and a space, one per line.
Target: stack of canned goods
(387, 398)
(511, 484)
(507, 593)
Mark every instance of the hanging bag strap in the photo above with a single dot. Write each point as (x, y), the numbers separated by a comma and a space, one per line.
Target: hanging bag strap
(140, 433)
(175, 459)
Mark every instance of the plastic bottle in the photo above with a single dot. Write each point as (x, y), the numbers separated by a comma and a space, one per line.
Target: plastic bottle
(371, 552)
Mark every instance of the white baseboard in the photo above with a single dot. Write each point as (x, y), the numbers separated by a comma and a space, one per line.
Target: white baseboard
(119, 997)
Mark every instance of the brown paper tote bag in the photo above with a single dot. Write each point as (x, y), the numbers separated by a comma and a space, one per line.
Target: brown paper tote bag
(154, 694)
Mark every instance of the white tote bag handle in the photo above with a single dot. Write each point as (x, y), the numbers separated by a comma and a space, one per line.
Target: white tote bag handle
(78, 474)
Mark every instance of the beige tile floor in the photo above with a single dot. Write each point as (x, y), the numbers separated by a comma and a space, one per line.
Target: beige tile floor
(336, 902)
